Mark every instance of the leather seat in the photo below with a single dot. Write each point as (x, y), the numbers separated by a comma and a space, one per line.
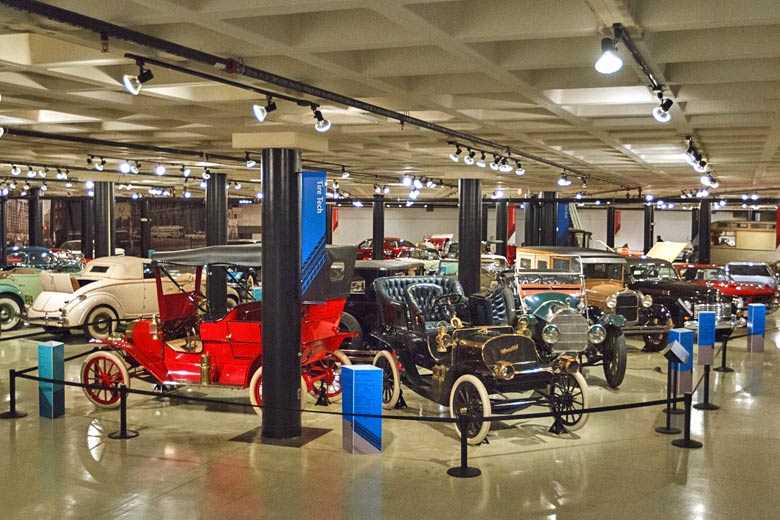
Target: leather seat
(422, 301)
(391, 296)
(502, 303)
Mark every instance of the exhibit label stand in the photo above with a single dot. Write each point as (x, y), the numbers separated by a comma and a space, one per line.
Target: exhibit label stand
(51, 365)
(756, 327)
(361, 388)
(706, 342)
(681, 352)
(672, 354)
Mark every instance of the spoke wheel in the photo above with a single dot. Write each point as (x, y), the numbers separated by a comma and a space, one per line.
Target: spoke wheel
(100, 323)
(328, 372)
(107, 369)
(615, 359)
(391, 380)
(256, 391)
(470, 393)
(10, 313)
(569, 396)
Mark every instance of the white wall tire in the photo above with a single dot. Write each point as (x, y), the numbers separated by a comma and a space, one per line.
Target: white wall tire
(256, 391)
(469, 392)
(101, 322)
(10, 313)
(391, 379)
(107, 369)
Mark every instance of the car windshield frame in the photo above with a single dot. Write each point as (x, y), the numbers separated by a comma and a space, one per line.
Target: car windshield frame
(741, 268)
(664, 272)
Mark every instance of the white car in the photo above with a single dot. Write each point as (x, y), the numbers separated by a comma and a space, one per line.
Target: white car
(110, 289)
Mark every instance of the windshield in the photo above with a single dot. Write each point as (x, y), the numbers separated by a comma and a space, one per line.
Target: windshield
(547, 278)
(654, 272)
(603, 271)
(749, 270)
(713, 274)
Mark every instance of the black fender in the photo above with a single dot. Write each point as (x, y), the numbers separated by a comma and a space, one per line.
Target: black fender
(594, 313)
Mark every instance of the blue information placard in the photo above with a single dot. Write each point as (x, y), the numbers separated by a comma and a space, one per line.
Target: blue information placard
(756, 322)
(706, 329)
(312, 228)
(685, 338)
(361, 388)
(51, 365)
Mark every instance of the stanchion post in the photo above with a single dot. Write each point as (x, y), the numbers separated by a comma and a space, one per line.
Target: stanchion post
(706, 343)
(12, 413)
(463, 471)
(123, 432)
(706, 404)
(686, 441)
(668, 429)
(723, 367)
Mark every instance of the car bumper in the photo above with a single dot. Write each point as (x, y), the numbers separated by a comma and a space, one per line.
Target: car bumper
(47, 319)
(645, 329)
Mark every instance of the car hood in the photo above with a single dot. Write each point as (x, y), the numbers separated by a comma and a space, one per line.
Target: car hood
(666, 250)
(739, 289)
(50, 301)
(761, 280)
(542, 304)
(672, 288)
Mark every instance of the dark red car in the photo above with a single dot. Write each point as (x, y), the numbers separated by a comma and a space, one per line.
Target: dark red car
(717, 277)
(393, 247)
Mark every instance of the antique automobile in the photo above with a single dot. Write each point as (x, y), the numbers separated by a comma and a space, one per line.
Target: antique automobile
(392, 248)
(74, 246)
(186, 344)
(717, 277)
(659, 279)
(606, 285)
(18, 289)
(111, 290)
(480, 369)
(43, 258)
(361, 312)
(429, 257)
(751, 272)
(491, 268)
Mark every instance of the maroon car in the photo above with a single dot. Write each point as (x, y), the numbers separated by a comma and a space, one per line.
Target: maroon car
(717, 277)
(393, 247)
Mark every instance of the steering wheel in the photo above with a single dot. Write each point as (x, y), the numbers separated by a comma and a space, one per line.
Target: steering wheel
(446, 303)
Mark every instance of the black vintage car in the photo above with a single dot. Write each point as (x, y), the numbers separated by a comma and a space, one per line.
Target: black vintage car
(684, 300)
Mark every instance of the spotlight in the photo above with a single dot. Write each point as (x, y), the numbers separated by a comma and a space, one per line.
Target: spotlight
(722, 202)
(186, 194)
(661, 112)
(2, 131)
(89, 185)
(259, 195)
(203, 185)
(520, 170)
(68, 184)
(336, 185)
(417, 183)
(159, 170)
(30, 172)
(186, 172)
(237, 185)
(609, 62)
(414, 193)
(744, 196)
(124, 167)
(136, 167)
(322, 125)
(455, 156)
(754, 196)
(96, 165)
(357, 203)
(409, 203)
(43, 171)
(430, 184)
(133, 84)
(344, 173)
(481, 162)
(469, 159)
(15, 170)
(261, 112)
(598, 202)
(250, 163)
(386, 190)
(504, 166)
(406, 180)
(377, 189)
(494, 165)
(134, 196)
(564, 180)
(44, 187)
(578, 196)
(498, 194)
(649, 197)
(206, 175)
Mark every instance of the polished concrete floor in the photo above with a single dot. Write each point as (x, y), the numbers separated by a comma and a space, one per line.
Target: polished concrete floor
(186, 465)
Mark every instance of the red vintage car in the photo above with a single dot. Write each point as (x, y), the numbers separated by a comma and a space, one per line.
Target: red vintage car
(717, 277)
(186, 345)
(393, 247)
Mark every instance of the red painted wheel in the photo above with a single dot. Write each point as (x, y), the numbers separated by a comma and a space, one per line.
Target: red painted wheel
(107, 369)
(328, 372)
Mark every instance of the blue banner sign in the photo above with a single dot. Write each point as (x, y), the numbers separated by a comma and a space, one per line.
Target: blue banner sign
(312, 229)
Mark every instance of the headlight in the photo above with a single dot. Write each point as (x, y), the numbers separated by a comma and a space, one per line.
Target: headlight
(504, 370)
(388, 252)
(597, 334)
(647, 301)
(550, 334)
(581, 306)
(612, 301)
(739, 303)
(688, 305)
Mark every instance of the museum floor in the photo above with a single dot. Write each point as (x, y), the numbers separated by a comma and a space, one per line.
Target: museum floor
(186, 464)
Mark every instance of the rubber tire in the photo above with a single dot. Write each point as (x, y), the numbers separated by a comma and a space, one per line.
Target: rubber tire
(475, 382)
(650, 345)
(349, 323)
(88, 327)
(124, 378)
(336, 396)
(10, 306)
(579, 423)
(615, 342)
(390, 394)
(256, 395)
(57, 331)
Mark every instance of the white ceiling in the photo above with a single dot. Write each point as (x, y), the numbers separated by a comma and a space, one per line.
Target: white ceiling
(518, 72)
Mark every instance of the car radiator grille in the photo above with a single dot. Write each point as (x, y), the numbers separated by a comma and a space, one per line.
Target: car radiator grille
(722, 311)
(628, 306)
(573, 329)
(765, 299)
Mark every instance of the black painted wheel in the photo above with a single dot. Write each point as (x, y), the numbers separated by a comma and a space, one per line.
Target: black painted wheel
(656, 342)
(614, 352)
(470, 395)
(569, 395)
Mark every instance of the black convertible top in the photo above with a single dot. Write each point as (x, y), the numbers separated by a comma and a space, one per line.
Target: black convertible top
(245, 255)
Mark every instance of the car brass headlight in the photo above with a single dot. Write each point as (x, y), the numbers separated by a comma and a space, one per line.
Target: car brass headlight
(647, 301)
(550, 334)
(612, 301)
(597, 334)
(504, 370)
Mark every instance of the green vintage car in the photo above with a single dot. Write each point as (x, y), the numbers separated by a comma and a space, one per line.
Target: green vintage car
(18, 289)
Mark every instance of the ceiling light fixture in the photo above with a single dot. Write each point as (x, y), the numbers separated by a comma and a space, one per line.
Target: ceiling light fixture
(430, 184)
(661, 112)
(386, 190)
(30, 172)
(417, 183)
(15, 170)
(609, 62)
(414, 194)
(564, 180)
(185, 171)
(250, 163)
(406, 180)
(206, 175)
(357, 203)
(136, 167)
(159, 170)
(481, 162)
(322, 125)
(261, 112)
(455, 156)
(124, 167)
(504, 167)
(469, 159)
(344, 173)
(133, 84)
(494, 165)
(520, 170)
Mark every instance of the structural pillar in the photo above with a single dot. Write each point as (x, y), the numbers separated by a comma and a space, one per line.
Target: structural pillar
(485, 209)
(105, 234)
(146, 227)
(216, 235)
(88, 227)
(328, 223)
(281, 274)
(531, 223)
(469, 229)
(501, 227)
(611, 226)
(548, 219)
(35, 218)
(649, 227)
(3, 232)
(704, 231)
(379, 227)
(694, 225)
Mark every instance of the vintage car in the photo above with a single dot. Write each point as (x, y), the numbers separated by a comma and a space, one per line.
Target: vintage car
(491, 268)
(186, 344)
(751, 272)
(43, 258)
(18, 289)
(606, 283)
(74, 246)
(392, 248)
(479, 369)
(110, 290)
(659, 279)
(429, 257)
(717, 277)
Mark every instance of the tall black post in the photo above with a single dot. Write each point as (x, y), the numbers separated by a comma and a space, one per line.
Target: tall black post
(379, 227)
(531, 223)
(704, 231)
(216, 235)
(485, 209)
(501, 227)
(3, 232)
(88, 227)
(611, 226)
(649, 227)
(548, 219)
(146, 227)
(328, 223)
(105, 215)
(35, 218)
(694, 225)
(281, 285)
(469, 228)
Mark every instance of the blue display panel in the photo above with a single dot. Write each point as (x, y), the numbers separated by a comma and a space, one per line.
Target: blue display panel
(51, 365)
(707, 328)
(361, 387)
(756, 323)
(312, 228)
(685, 338)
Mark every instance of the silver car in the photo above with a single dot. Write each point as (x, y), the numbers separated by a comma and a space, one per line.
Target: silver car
(752, 272)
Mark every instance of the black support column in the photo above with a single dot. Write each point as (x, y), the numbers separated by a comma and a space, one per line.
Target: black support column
(379, 227)
(704, 231)
(3, 232)
(146, 227)
(531, 223)
(35, 218)
(469, 229)
(611, 226)
(328, 223)
(485, 209)
(105, 234)
(216, 235)
(501, 227)
(694, 225)
(649, 227)
(281, 293)
(548, 219)
(88, 227)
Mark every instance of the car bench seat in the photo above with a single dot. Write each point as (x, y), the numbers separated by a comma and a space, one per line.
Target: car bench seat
(393, 303)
